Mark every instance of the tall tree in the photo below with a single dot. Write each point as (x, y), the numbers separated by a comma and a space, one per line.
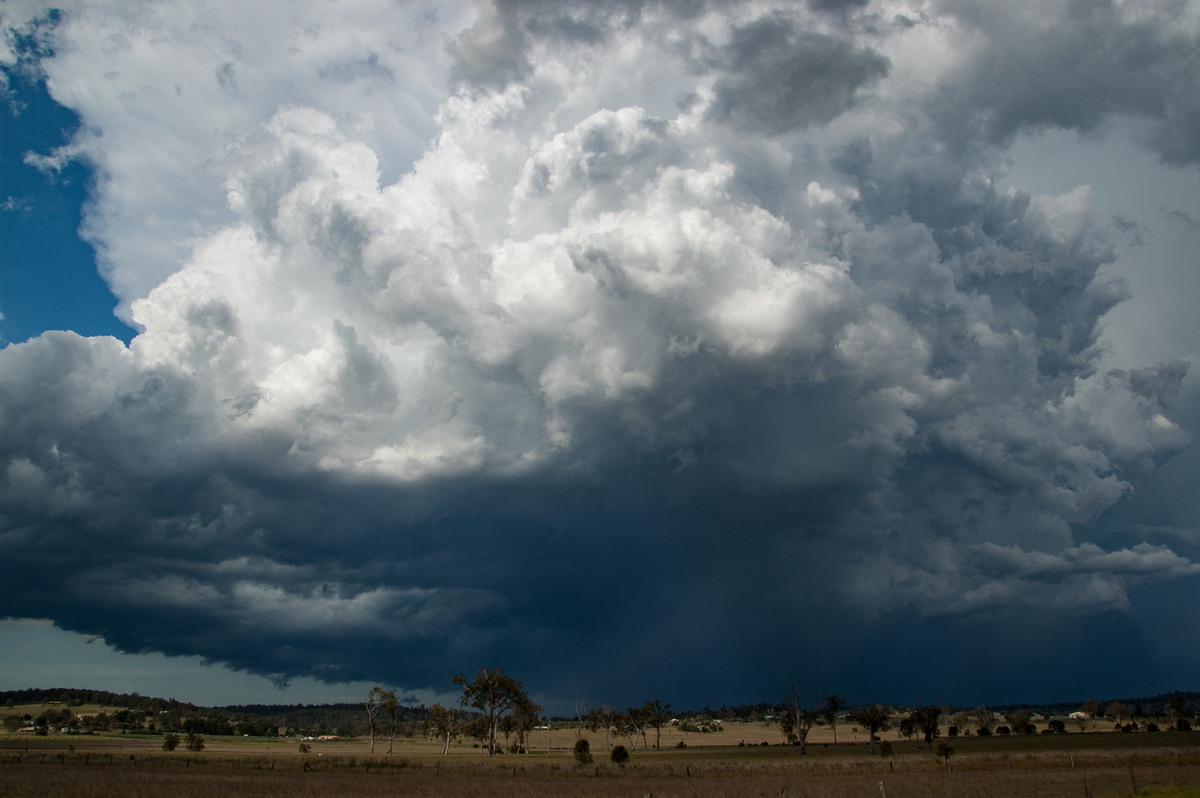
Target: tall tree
(657, 713)
(373, 703)
(800, 720)
(831, 705)
(603, 717)
(925, 719)
(390, 705)
(631, 724)
(1019, 720)
(581, 716)
(445, 723)
(1177, 708)
(983, 719)
(524, 717)
(494, 693)
(874, 718)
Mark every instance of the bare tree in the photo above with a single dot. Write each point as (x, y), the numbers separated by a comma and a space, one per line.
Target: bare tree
(581, 715)
(374, 702)
(800, 720)
(494, 693)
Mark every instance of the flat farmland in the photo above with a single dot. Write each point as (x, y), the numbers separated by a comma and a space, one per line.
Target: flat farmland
(1086, 765)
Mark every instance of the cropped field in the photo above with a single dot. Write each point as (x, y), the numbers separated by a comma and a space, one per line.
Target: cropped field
(1086, 765)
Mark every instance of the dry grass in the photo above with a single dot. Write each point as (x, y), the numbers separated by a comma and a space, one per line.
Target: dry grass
(1088, 766)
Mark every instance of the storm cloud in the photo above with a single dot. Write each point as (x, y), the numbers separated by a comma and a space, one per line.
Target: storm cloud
(593, 340)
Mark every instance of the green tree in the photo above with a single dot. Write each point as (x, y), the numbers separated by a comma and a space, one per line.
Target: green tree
(391, 706)
(521, 720)
(630, 724)
(494, 694)
(874, 718)
(619, 755)
(445, 723)
(1019, 720)
(1116, 711)
(944, 752)
(583, 751)
(925, 719)
(657, 713)
(1177, 708)
(831, 705)
(984, 720)
(603, 717)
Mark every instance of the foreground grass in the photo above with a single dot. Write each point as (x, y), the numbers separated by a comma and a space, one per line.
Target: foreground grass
(1089, 766)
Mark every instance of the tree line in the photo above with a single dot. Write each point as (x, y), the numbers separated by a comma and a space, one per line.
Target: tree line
(496, 712)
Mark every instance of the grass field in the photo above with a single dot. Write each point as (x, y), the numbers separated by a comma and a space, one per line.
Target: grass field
(131, 766)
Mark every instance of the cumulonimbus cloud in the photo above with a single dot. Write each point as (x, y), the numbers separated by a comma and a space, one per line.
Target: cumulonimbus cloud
(703, 267)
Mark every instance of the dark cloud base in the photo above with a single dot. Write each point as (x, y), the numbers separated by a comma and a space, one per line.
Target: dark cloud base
(703, 352)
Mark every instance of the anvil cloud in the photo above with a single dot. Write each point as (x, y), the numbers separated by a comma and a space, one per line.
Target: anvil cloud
(677, 348)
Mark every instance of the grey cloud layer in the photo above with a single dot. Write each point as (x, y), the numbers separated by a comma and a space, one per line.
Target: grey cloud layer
(675, 297)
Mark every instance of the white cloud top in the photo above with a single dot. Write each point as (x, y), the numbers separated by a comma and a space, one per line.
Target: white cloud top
(435, 301)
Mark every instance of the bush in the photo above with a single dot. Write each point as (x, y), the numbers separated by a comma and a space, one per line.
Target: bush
(170, 742)
(583, 751)
(305, 748)
(620, 755)
(1003, 731)
(195, 742)
(885, 748)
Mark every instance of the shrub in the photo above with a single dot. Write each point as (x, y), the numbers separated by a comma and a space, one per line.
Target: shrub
(620, 754)
(1003, 730)
(583, 751)
(952, 731)
(170, 742)
(305, 748)
(885, 748)
(195, 742)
